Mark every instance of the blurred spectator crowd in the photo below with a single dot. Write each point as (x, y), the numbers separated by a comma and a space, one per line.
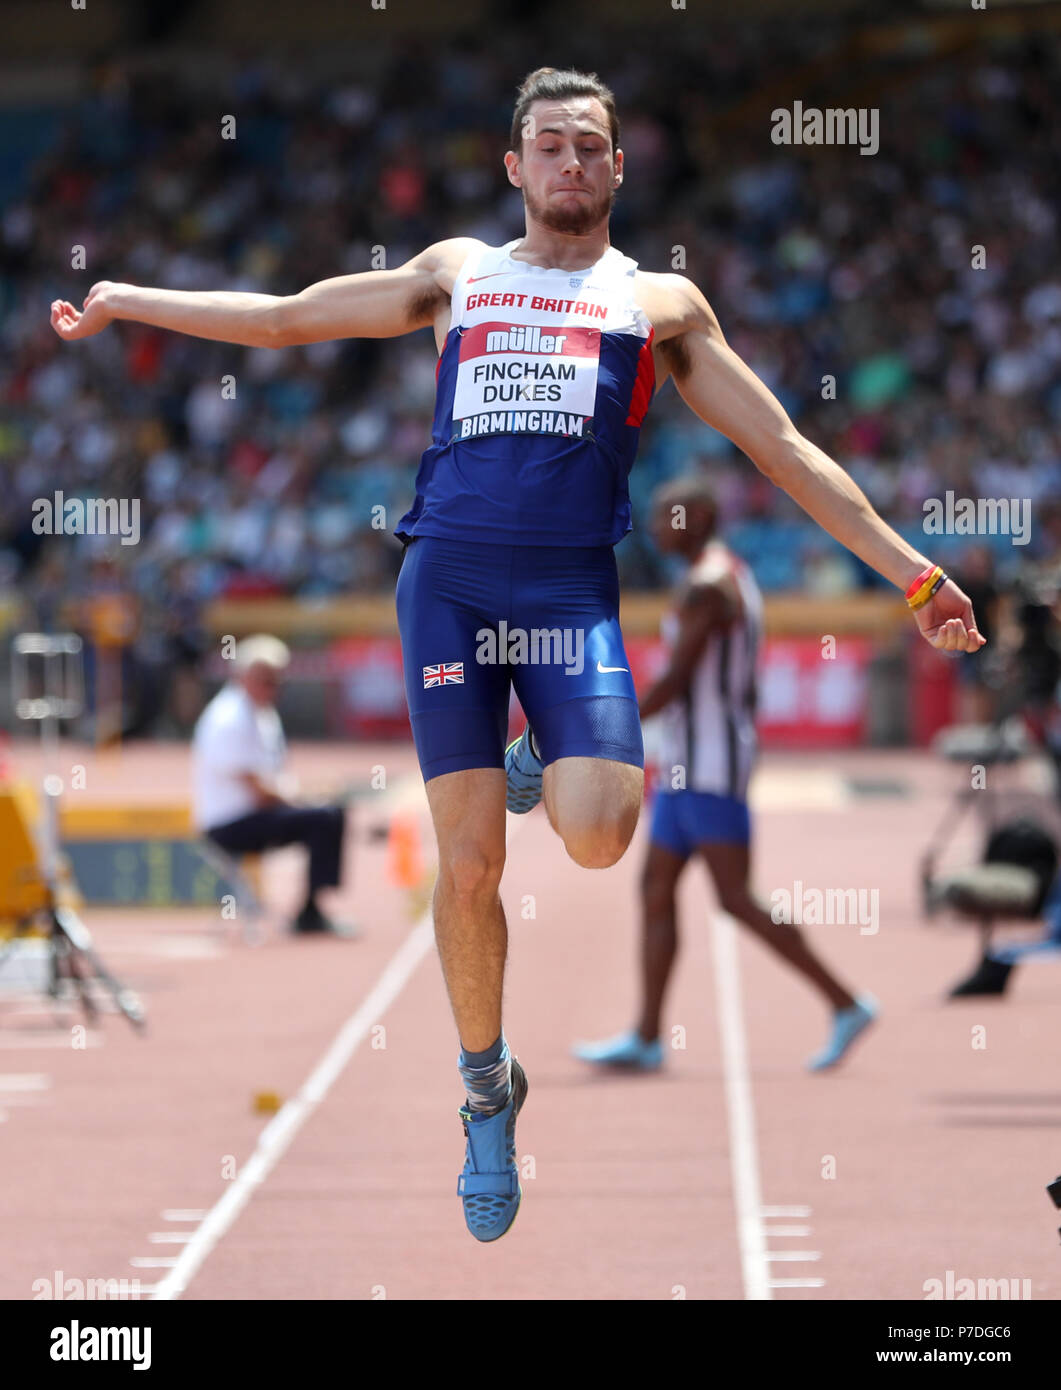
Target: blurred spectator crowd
(819, 263)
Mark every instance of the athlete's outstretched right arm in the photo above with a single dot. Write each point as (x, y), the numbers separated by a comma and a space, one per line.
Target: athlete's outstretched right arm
(371, 304)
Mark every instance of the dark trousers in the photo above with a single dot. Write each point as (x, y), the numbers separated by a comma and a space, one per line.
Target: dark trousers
(319, 828)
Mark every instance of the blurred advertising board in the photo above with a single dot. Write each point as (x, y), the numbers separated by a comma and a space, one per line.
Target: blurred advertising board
(806, 699)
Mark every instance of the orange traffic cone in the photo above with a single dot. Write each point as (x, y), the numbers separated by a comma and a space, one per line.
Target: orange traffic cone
(404, 862)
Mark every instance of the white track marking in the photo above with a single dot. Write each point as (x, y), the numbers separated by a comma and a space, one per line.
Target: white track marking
(169, 1237)
(278, 1134)
(794, 1256)
(165, 948)
(407, 794)
(29, 1005)
(23, 1038)
(23, 1088)
(787, 789)
(24, 1081)
(743, 1154)
(153, 1261)
(182, 1214)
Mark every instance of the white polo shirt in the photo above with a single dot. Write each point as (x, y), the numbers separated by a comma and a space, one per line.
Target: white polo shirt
(233, 735)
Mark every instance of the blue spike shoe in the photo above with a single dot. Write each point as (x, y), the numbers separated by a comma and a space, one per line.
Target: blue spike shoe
(847, 1025)
(489, 1185)
(626, 1050)
(524, 773)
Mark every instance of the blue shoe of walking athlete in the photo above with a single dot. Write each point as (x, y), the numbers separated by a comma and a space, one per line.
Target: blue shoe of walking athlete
(489, 1185)
(524, 771)
(626, 1050)
(847, 1025)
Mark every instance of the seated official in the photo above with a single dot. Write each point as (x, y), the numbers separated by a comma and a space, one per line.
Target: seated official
(241, 795)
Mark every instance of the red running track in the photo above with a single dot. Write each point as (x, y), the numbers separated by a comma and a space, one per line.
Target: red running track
(923, 1154)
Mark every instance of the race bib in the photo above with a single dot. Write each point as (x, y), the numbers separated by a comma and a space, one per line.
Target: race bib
(515, 378)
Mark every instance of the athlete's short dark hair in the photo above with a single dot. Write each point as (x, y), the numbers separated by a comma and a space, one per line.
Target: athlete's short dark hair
(692, 489)
(553, 84)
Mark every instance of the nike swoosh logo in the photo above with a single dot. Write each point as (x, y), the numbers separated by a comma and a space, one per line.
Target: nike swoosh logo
(604, 670)
(474, 279)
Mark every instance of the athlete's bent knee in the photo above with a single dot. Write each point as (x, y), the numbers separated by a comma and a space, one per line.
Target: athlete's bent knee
(598, 846)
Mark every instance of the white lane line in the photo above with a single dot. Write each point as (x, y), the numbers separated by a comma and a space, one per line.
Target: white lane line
(26, 1088)
(24, 1038)
(786, 1211)
(743, 1154)
(797, 1283)
(796, 1256)
(406, 794)
(278, 1134)
(182, 1214)
(282, 1128)
(169, 1237)
(31, 1006)
(24, 1081)
(153, 1261)
(165, 948)
(788, 1230)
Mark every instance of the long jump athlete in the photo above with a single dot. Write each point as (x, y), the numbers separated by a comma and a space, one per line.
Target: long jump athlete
(550, 350)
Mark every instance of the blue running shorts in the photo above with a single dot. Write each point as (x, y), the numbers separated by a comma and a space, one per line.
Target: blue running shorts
(682, 820)
(476, 619)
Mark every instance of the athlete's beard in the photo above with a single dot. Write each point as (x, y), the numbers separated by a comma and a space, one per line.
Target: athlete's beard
(577, 223)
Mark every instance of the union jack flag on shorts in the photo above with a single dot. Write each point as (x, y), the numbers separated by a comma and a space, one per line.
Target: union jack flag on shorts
(446, 673)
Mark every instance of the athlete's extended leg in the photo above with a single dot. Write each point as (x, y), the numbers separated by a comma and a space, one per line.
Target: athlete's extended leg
(640, 1048)
(659, 933)
(729, 866)
(468, 810)
(447, 594)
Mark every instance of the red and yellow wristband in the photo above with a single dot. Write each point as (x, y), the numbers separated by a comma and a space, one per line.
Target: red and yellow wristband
(925, 586)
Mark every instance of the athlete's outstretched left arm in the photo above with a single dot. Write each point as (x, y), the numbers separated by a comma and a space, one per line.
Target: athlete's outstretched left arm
(726, 393)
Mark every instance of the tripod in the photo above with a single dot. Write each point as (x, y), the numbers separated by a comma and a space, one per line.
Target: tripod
(41, 892)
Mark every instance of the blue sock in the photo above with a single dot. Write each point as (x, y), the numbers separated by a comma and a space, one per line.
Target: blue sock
(487, 1076)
